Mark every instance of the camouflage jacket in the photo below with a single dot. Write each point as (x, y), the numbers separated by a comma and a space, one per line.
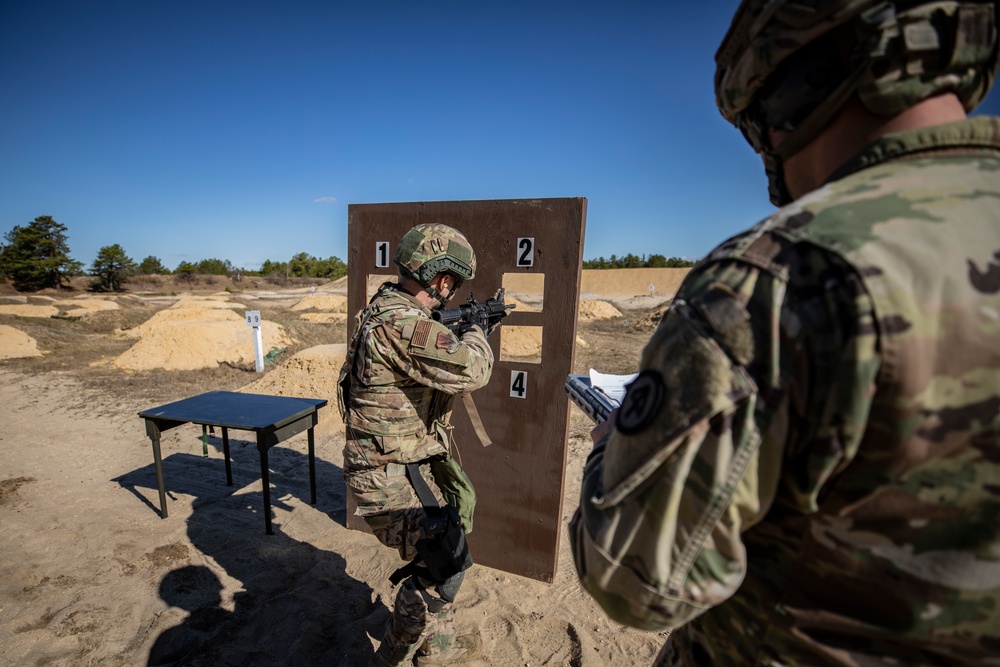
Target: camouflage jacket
(807, 469)
(400, 377)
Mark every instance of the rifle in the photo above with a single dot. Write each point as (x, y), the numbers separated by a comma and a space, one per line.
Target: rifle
(595, 403)
(486, 315)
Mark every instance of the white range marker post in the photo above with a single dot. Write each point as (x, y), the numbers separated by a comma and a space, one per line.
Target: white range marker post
(253, 320)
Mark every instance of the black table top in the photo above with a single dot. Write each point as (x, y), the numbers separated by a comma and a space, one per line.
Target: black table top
(252, 412)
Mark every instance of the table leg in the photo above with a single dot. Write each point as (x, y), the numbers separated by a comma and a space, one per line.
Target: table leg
(312, 465)
(158, 464)
(225, 450)
(266, 482)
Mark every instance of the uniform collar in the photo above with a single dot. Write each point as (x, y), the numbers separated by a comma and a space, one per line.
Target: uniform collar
(395, 289)
(969, 135)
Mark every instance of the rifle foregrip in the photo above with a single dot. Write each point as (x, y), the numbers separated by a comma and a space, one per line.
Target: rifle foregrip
(595, 407)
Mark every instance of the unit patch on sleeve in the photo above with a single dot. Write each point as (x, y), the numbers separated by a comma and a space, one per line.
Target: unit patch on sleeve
(446, 341)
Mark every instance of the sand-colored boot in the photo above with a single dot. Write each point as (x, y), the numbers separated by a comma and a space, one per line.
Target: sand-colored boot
(466, 648)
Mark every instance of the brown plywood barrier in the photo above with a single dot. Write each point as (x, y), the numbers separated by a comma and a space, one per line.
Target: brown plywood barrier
(519, 478)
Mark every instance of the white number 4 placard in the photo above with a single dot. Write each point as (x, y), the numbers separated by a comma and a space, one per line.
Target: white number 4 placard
(519, 384)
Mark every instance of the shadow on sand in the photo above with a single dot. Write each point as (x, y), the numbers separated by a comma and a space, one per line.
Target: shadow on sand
(297, 605)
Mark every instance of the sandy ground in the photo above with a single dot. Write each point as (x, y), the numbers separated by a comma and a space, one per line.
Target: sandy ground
(91, 575)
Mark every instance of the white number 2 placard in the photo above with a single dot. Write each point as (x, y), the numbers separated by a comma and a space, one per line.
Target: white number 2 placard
(526, 251)
(519, 384)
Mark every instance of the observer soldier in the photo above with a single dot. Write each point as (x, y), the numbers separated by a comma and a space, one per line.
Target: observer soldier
(807, 469)
(397, 385)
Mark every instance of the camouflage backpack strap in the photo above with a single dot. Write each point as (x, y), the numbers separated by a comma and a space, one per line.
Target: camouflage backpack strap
(344, 380)
(361, 321)
(759, 246)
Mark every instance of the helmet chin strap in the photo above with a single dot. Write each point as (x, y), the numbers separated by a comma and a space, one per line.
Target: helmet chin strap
(776, 189)
(800, 137)
(435, 294)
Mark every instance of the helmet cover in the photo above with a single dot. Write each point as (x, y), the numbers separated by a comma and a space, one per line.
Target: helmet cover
(433, 248)
(791, 64)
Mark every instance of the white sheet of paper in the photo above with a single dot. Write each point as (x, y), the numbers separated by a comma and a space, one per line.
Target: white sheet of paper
(612, 385)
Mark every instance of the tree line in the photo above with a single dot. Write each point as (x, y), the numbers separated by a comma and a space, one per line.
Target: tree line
(37, 255)
(631, 261)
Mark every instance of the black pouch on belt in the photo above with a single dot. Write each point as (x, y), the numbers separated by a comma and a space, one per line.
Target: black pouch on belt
(444, 552)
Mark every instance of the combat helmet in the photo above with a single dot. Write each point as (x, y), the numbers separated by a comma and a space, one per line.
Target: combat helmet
(432, 248)
(792, 64)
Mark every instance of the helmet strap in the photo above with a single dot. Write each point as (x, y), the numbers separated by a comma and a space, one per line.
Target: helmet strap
(437, 295)
(806, 131)
(434, 293)
(777, 190)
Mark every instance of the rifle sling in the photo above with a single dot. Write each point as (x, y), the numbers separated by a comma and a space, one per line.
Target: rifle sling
(428, 500)
(420, 486)
(477, 421)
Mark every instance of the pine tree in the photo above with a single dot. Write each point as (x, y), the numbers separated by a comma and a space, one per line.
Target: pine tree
(36, 256)
(112, 268)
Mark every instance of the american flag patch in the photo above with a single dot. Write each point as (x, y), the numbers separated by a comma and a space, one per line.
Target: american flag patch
(421, 332)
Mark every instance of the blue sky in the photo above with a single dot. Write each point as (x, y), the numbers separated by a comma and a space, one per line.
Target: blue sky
(242, 130)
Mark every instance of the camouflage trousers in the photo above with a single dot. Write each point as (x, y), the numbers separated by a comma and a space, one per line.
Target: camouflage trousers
(423, 612)
(423, 618)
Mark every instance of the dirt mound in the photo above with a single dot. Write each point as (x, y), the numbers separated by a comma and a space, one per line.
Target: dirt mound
(170, 317)
(324, 318)
(338, 286)
(312, 373)
(27, 310)
(331, 303)
(597, 310)
(82, 307)
(652, 319)
(220, 301)
(192, 338)
(15, 344)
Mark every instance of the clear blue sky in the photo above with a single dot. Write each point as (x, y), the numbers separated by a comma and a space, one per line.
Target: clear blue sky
(242, 130)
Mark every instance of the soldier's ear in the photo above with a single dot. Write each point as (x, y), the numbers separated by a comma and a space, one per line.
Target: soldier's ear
(441, 278)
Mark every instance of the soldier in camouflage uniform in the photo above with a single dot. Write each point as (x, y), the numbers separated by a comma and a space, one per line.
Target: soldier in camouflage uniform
(402, 372)
(807, 469)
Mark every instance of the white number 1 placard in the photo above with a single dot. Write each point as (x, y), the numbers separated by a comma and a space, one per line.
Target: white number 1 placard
(381, 254)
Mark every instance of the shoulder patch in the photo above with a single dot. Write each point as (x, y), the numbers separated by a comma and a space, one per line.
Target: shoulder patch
(643, 400)
(440, 345)
(689, 384)
(446, 341)
(421, 332)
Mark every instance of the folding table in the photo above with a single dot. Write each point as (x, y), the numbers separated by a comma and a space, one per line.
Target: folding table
(272, 418)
